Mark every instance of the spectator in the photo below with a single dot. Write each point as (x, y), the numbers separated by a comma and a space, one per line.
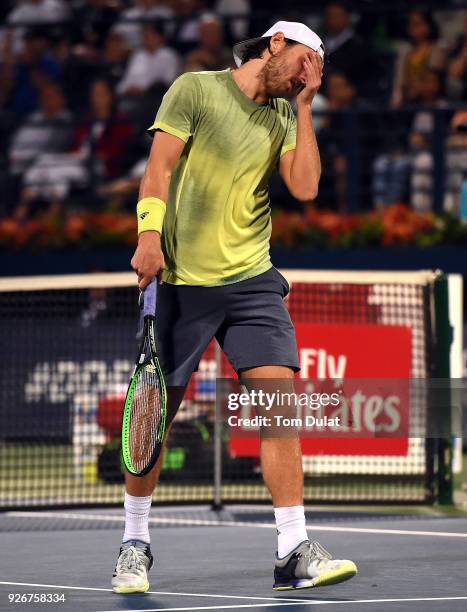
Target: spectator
(114, 58)
(94, 19)
(335, 140)
(7, 65)
(456, 161)
(144, 10)
(345, 51)
(211, 54)
(457, 67)
(36, 66)
(455, 169)
(185, 36)
(155, 63)
(238, 28)
(100, 152)
(35, 12)
(125, 189)
(78, 70)
(422, 52)
(392, 171)
(48, 129)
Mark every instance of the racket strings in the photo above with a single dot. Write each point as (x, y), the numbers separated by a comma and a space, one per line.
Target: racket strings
(146, 415)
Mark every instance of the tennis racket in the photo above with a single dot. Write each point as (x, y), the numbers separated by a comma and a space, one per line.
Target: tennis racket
(145, 410)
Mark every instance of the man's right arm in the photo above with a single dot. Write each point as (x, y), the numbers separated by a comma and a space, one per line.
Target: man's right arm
(148, 260)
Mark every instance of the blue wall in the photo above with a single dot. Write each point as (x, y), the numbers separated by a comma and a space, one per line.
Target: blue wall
(448, 259)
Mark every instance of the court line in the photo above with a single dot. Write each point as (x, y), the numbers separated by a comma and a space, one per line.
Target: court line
(305, 602)
(53, 586)
(216, 523)
(235, 607)
(78, 588)
(276, 601)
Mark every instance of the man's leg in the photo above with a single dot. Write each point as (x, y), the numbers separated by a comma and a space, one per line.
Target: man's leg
(299, 563)
(259, 340)
(139, 489)
(187, 319)
(281, 457)
(281, 463)
(185, 323)
(135, 558)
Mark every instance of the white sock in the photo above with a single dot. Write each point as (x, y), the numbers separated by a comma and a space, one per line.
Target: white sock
(291, 530)
(136, 518)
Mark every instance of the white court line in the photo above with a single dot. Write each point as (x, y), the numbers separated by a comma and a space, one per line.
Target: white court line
(235, 607)
(305, 602)
(268, 605)
(76, 588)
(52, 586)
(216, 523)
(276, 600)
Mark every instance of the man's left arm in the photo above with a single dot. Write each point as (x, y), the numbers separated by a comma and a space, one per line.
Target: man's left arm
(300, 168)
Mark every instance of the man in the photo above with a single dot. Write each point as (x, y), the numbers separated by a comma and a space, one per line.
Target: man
(48, 129)
(139, 11)
(211, 53)
(154, 63)
(32, 13)
(346, 52)
(218, 137)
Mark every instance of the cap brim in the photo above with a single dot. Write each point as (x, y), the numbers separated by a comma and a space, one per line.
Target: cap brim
(240, 47)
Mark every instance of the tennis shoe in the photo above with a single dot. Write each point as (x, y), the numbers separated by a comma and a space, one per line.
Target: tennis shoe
(131, 571)
(310, 565)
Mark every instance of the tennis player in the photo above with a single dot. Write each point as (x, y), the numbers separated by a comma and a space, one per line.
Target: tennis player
(204, 226)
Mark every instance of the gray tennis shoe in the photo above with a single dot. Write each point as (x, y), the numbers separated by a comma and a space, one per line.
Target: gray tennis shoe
(131, 571)
(310, 565)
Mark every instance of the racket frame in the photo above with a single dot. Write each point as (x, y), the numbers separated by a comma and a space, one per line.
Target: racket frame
(147, 357)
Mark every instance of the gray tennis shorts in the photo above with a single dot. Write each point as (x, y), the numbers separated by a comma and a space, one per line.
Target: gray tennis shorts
(249, 320)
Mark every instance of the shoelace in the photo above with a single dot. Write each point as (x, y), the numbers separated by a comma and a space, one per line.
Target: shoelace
(130, 560)
(317, 553)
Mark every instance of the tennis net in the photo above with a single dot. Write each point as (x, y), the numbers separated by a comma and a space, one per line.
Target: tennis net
(68, 345)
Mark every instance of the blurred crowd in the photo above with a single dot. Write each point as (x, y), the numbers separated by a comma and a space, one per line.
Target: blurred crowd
(81, 81)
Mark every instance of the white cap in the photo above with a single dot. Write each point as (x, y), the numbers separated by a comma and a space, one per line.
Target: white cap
(291, 30)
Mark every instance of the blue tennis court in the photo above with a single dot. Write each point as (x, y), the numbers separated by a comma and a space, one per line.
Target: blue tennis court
(207, 560)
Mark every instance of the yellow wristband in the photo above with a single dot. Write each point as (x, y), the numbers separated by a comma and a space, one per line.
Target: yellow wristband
(151, 212)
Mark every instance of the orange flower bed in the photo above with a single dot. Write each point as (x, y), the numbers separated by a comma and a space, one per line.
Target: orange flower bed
(78, 230)
(391, 226)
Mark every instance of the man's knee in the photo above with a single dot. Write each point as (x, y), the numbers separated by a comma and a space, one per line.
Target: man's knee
(174, 399)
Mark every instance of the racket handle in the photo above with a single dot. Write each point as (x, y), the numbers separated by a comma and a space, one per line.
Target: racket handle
(149, 296)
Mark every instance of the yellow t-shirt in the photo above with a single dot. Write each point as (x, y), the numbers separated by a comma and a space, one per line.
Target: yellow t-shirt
(217, 224)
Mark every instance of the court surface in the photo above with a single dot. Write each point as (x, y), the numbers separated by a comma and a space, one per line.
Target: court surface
(223, 561)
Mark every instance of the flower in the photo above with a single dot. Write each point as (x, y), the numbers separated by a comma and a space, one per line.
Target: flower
(390, 226)
(74, 228)
(10, 234)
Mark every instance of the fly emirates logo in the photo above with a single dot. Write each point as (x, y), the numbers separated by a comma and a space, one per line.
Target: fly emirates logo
(319, 363)
(367, 406)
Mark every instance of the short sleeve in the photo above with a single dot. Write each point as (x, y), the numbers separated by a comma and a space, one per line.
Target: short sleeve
(179, 110)
(290, 140)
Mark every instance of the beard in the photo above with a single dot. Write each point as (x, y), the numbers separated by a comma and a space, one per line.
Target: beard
(277, 86)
